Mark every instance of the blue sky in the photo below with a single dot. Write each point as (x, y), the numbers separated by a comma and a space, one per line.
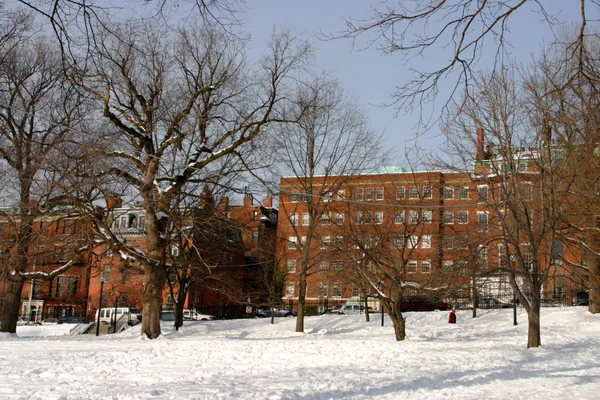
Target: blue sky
(371, 76)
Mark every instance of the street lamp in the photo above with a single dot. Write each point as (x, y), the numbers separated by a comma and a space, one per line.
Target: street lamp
(512, 264)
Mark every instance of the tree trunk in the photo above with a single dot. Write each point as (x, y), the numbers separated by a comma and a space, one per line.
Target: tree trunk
(12, 304)
(156, 278)
(179, 306)
(399, 323)
(301, 298)
(533, 314)
(367, 316)
(594, 269)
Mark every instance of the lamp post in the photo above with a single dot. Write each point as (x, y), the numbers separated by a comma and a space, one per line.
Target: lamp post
(99, 308)
(512, 264)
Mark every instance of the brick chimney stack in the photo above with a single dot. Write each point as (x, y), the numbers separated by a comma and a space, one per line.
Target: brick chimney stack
(247, 200)
(479, 154)
(268, 202)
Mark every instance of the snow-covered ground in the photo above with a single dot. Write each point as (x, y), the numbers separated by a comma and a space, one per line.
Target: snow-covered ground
(338, 357)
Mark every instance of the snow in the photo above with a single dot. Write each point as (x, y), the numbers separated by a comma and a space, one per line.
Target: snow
(338, 357)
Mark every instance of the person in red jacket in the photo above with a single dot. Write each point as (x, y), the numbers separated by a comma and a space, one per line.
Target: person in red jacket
(452, 317)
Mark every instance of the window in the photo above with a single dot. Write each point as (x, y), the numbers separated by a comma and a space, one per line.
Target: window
(359, 194)
(463, 242)
(502, 255)
(106, 274)
(399, 242)
(425, 267)
(399, 218)
(254, 237)
(482, 255)
(482, 194)
(325, 220)
(124, 222)
(295, 196)
(355, 291)
(527, 258)
(412, 241)
(447, 265)
(324, 266)
(337, 266)
(463, 193)
(448, 193)
(255, 216)
(327, 196)
(72, 285)
(141, 223)
(339, 241)
(303, 240)
(463, 217)
(559, 286)
(337, 290)
(448, 217)
(413, 217)
(358, 220)
(369, 194)
(175, 250)
(339, 218)
(379, 193)
(426, 241)
(291, 266)
(116, 224)
(368, 217)
(447, 242)
(379, 217)
(341, 194)
(427, 216)
(482, 221)
(323, 290)
(427, 192)
(293, 219)
(411, 266)
(292, 241)
(413, 192)
(325, 242)
(305, 219)
(400, 192)
(290, 289)
(125, 275)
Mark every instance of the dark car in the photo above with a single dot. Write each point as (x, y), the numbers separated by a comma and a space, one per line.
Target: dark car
(422, 303)
(581, 298)
(491, 303)
(265, 312)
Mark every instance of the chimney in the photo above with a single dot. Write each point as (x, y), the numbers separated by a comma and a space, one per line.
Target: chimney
(113, 201)
(224, 203)
(268, 202)
(247, 200)
(479, 155)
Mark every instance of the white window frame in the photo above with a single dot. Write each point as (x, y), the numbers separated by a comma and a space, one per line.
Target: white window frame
(483, 221)
(448, 193)
(291, 266)
(359, 194)
(290, 290)
(427, 192)
(413, 217)
(463, 193)
(426, 241)
(483, 192)
(378, 217)
(411, 266)
(400, 192)
(305, 219)
(292, 242)
(337, 290)
(294, 219)
(427, 216)
(369, 194)
(413, 192)
(379, 194)
(426, 267)
(448, 217)
(399, 217)
(464, 213)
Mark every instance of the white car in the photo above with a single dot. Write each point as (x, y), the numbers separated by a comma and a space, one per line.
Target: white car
(192, 315)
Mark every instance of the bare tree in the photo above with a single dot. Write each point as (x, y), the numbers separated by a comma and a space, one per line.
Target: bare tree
(464, 31)
(331, 141)
(38, 111)
(177, 105)
(521, 186)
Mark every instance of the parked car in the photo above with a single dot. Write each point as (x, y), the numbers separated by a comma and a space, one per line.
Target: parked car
(335, 310)
(265, 312)
(423, 303)
(21, 321)
(193, 315)
(549, 303)
(352, 309)
(581, 298)
(491, 303)
(50, 321)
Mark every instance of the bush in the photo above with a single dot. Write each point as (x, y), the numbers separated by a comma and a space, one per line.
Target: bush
(310, 311)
